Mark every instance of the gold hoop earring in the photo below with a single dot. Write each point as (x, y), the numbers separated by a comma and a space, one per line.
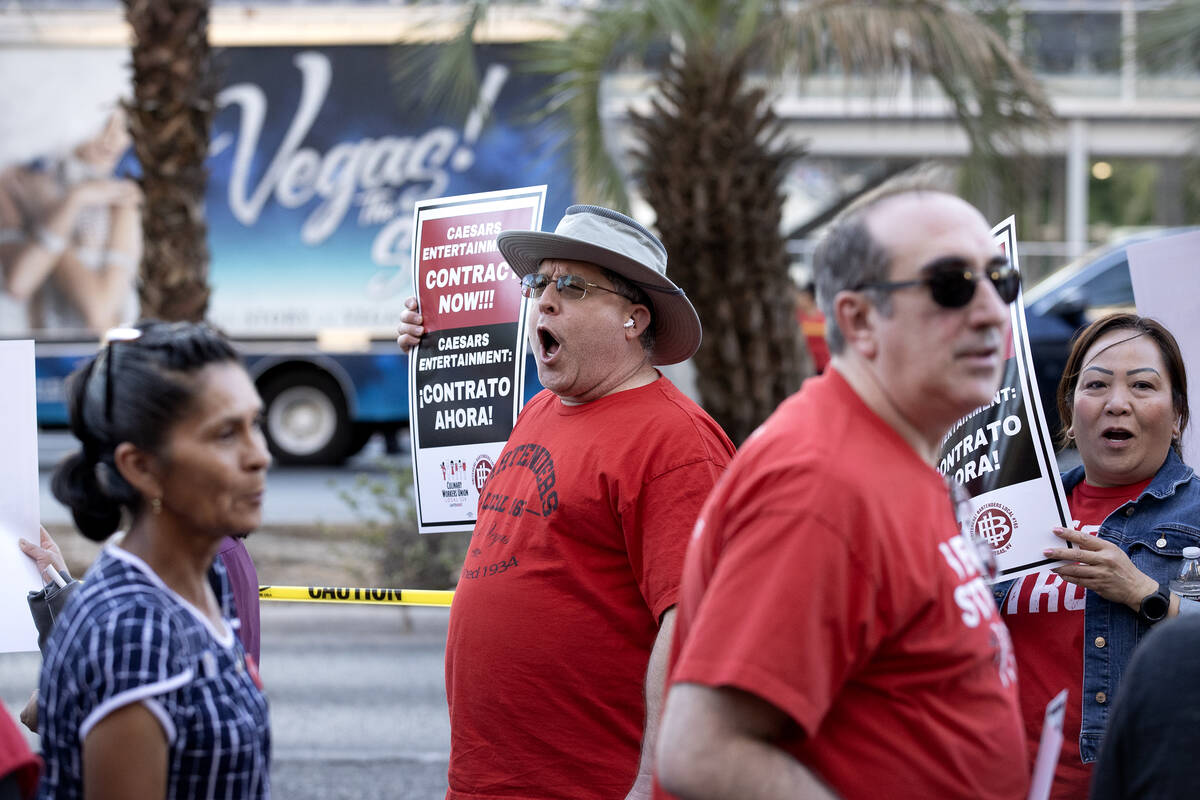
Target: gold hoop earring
(156, 505)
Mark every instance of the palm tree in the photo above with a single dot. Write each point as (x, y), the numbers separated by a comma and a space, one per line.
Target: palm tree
(169, 119)
(711, 155)
(717, 192)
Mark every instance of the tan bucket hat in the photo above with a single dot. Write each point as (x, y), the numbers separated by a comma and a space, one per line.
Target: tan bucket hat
(615, 242)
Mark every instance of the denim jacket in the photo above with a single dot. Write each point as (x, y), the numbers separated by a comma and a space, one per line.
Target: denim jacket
(1152, 530)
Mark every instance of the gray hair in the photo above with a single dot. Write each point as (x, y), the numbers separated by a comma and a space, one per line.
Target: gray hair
(634, 294)
(848, 257)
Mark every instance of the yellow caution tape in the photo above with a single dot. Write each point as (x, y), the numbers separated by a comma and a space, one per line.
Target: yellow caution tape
(334, 594)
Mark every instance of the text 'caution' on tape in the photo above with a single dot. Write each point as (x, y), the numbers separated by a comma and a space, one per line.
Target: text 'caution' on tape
(335, 594)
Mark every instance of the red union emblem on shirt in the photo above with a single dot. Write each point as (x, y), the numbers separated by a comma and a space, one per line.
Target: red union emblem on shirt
(481, 471)
(995, 523)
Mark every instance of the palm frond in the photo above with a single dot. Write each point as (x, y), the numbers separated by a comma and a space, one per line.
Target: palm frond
(578, 65)
(993, 96)
(442, 75)
(1170, 36)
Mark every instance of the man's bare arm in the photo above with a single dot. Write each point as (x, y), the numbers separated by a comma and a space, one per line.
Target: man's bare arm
(656, 686)
(719, 744)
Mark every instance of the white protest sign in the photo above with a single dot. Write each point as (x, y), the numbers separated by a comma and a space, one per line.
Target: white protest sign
(1002, 454)
(1049, 747)
(466, 379)
(19, 513)
(1166, 276)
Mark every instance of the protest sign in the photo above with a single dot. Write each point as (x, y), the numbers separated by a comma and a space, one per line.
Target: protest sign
(467, 374)
(1165, 273)
(1002, 454)
(19, 512)
(1049, 748)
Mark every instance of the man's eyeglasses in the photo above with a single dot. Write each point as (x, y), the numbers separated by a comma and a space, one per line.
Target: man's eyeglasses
(952, 282)
(572, 286)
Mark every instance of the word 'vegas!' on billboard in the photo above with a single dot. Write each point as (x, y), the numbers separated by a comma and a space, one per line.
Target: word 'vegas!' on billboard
(385, 175)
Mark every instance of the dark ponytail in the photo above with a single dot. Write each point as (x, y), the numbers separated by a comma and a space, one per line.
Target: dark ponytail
(135, 398)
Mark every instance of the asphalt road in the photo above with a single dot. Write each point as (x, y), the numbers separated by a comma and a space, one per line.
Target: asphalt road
(358, 702)
(295, 495)
(358, 708)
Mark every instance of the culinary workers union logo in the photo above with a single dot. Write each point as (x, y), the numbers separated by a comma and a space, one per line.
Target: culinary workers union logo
(481, 471)
(995, 523)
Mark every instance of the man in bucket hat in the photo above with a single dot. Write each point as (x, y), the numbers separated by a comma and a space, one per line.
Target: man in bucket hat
(563, 613)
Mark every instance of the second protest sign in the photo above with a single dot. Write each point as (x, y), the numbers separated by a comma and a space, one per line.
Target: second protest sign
(466, 377)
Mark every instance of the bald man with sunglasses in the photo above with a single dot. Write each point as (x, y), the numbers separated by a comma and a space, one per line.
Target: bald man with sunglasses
(557, 647)
(830, 639)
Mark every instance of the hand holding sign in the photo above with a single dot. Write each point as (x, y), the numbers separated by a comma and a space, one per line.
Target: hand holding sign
(1102, 567)
(465, 337)
(45, 554)
(410, 330)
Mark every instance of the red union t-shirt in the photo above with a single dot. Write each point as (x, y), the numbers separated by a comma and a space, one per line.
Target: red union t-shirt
(15, 757)
(828, 577)
(1045, 616)
(576, 555)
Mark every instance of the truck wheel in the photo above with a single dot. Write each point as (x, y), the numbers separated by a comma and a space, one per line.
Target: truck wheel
(306, 421)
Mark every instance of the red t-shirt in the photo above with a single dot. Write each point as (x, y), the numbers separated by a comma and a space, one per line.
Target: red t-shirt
(828, 577)
(576, 555)
(1045, 616)
(16, 757)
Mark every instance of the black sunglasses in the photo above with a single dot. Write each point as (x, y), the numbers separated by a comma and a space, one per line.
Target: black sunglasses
(952, 281)
(112, 336)
(572, 286)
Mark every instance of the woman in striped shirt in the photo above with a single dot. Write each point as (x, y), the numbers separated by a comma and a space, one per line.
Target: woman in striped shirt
(145, 690)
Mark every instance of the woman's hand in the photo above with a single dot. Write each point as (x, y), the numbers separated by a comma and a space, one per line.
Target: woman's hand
(1102, 567)
(44, 555)
(29, 713)
(409, 332)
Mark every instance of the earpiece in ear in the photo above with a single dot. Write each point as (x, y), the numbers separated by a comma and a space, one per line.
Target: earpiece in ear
(629, 323)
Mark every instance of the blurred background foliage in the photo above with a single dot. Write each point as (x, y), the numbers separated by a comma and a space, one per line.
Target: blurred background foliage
(383, 500)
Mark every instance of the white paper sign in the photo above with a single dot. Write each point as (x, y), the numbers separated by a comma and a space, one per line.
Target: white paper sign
(19, 512)
(1166, 286)
(467, 377)
(1049, 747)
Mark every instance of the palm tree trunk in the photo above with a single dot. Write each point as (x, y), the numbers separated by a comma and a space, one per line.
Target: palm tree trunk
(170, 119)
(710, 167)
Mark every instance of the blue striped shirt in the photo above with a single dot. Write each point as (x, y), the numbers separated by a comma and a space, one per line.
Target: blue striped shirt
(125, 637)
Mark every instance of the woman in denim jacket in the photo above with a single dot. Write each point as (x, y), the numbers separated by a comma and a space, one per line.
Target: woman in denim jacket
(1135, 505)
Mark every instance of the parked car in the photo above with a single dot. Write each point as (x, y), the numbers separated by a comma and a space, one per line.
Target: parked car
(1068, 299)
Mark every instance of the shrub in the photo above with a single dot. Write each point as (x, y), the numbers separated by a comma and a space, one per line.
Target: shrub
(406, 559)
